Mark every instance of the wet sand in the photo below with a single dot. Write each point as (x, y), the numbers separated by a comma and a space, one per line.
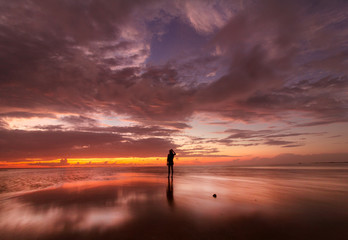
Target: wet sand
(251, 203)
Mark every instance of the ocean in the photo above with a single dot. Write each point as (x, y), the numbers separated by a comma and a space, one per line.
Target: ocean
(278, 202)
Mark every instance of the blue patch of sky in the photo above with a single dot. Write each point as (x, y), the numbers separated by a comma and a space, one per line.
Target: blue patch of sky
(176, 40)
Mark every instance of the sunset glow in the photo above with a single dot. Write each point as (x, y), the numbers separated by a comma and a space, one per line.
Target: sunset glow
(221, 82)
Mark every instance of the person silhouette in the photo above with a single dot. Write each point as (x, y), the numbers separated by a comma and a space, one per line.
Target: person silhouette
(170, 161)
(170, 193)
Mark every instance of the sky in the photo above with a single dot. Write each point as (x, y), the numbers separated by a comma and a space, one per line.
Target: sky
(121, 82)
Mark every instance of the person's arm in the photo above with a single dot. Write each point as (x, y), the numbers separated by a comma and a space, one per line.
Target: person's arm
(174, 152)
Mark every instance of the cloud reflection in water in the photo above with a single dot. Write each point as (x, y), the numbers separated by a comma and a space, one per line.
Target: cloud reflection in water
(250, 204)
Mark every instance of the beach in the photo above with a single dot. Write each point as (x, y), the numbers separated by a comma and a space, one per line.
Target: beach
(279, 202)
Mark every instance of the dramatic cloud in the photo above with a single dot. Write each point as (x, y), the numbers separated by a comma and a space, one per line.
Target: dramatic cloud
(79, 120)
(52, 144)
(25, 115)
(324, 99)
(246, 138)
(136, 74)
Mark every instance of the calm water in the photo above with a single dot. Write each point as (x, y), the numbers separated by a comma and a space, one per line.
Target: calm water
(305, 202)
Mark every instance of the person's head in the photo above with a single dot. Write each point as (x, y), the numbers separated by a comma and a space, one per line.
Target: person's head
(171, 151)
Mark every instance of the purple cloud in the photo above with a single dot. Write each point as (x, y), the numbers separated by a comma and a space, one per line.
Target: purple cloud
(18, 144)
(160, 62)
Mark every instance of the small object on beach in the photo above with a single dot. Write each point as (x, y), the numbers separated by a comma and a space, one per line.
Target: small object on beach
(214, 195)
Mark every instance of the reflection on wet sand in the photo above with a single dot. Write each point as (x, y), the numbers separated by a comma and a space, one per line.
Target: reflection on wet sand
(170, 192)
(251, 204)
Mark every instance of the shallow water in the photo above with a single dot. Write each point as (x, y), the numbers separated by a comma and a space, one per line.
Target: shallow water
(304, 202)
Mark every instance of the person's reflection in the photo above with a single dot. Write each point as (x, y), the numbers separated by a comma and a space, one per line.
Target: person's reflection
(170, 192)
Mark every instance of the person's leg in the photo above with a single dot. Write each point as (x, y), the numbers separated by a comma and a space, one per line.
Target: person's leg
(168, 170)
(172, 169)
